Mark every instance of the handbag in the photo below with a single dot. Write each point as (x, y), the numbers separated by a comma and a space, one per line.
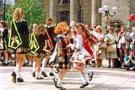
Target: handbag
(111, 48)
(102, 45)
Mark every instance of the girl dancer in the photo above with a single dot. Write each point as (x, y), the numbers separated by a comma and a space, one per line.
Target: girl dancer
(80, 55)
(4, 41)
(62, 61)
(19, 42)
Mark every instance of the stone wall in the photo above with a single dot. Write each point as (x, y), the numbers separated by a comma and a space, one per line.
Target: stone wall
(87, 12)
(123, 11)
(132, 11)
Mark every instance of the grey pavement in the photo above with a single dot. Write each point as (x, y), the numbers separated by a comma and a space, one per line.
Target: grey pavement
(104, 79)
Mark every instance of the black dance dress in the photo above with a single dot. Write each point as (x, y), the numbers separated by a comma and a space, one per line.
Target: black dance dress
(61, 48)
(19, 37)
(52, 36)
(3, 39)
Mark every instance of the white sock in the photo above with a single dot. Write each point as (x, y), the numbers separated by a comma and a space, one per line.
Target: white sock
(34, 67)
(43, 64)
(56, 77)
(18, 75)
(87, 72)
(59, 82)
(17, 69)
(26, 61)
(38, 75)
(84, 78)
(1, 57)
(51, 70)
(30, 62)
(6, 61)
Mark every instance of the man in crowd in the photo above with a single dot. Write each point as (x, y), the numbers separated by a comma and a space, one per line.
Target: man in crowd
(130, 61)
(123, 44)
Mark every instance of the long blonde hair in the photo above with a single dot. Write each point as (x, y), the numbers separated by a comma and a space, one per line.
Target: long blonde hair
(18, 14)
(39, 30)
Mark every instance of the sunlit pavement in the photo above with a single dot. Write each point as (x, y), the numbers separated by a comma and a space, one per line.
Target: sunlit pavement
(104, 79)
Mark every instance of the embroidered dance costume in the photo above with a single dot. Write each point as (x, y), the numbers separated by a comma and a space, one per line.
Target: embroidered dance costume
(51, 38)
(87, 46)
(19, 36)
(40, 45)
(61, 52)
(4, 39)
(80, 53)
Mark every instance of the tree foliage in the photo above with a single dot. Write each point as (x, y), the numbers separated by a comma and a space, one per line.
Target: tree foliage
(33, 11)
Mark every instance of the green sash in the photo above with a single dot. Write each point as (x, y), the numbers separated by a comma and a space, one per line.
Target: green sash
(34, 46)
(14, 38)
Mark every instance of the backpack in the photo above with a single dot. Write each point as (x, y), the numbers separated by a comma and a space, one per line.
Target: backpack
(117, 63)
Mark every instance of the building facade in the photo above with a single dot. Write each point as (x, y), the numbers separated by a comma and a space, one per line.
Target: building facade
(86, 11)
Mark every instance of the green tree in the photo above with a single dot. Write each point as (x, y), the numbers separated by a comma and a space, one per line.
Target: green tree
(33, 12)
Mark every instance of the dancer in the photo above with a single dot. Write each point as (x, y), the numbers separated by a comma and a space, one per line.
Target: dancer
(81, 55)
(37, 46)
(61, 61)
(50, 39)
(4, 41)
(18, 41)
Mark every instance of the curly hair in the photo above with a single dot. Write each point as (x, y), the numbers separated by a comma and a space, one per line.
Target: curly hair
(39, 30)
(18, 14)
(61, 28)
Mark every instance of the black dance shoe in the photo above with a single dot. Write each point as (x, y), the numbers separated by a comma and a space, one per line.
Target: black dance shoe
(51, 74)
(1, 60)
(61, 88)
(4, 64)
(90, 76)
(55, 82)
(33, 74)
(43, 74)
(20, 80)
(84, 85)
(13, 74)
(39, 78)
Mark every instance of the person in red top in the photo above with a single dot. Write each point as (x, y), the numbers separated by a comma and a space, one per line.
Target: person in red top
(86, 44)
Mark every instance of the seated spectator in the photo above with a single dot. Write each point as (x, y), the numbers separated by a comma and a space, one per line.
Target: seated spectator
(130, 61)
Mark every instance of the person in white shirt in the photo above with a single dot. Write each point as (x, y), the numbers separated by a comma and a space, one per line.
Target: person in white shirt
(123, 43)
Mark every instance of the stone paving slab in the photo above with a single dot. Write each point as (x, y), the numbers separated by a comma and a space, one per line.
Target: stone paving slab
(104, 79)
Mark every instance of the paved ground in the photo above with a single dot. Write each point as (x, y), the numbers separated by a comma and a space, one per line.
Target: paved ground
(104, 79)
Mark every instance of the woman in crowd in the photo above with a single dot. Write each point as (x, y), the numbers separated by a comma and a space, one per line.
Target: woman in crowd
(101, 46)
(18, 42)
(111, 41)
(4, 41)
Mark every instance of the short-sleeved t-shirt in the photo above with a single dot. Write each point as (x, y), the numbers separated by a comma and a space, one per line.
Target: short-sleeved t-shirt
(130, 63)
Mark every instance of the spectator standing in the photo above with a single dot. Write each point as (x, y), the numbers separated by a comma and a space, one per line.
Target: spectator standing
(101, 45)
(132, 39)
(123, 43)
(111, 41)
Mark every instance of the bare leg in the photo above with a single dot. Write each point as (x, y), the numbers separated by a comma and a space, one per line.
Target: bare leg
(5, 57)
(97, 63)
(100, 63)
(113, 63)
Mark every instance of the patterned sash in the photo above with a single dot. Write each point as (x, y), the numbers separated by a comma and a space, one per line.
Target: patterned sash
(34, 46)
(14, 38)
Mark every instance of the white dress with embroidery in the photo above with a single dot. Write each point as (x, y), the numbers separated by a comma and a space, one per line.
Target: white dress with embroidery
(80, 53)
